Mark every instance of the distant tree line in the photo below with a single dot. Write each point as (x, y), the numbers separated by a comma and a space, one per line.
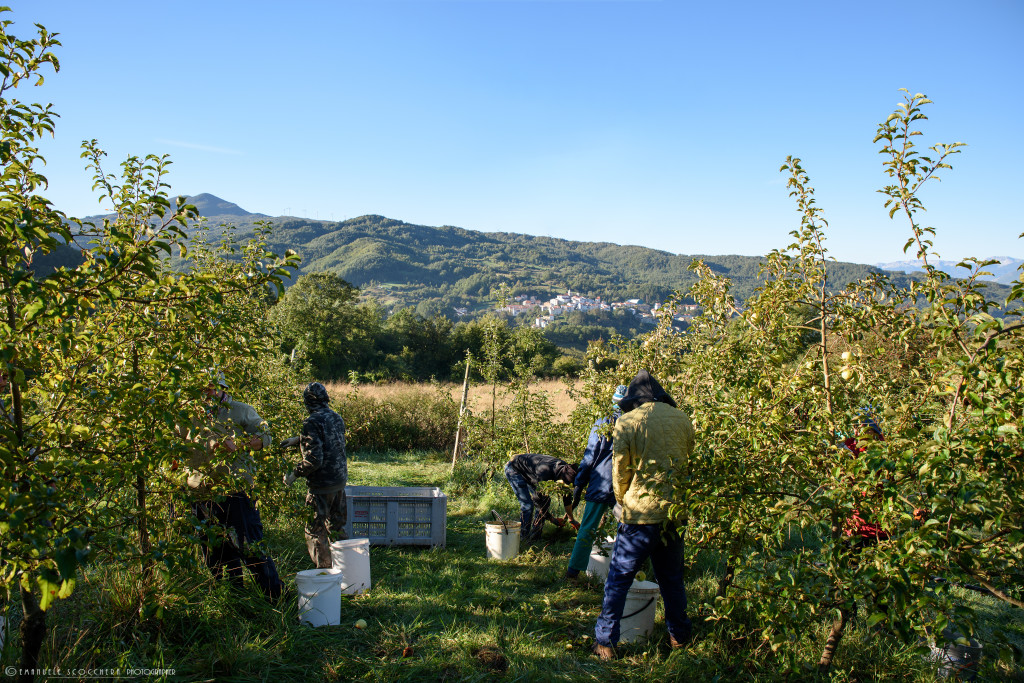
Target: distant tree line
(575, 330)
(322, 319)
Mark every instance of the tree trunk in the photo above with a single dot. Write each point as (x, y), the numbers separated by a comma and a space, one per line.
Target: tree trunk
(726, 580)
(823, 345)
(33, 633)
(142, 515)
(834, 636)
(730, 566)
(145, 545)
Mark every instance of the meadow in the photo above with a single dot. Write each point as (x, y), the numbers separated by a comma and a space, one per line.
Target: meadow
(478, 399)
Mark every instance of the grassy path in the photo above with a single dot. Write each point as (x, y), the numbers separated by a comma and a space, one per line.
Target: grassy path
(433, 614)
(451, 614)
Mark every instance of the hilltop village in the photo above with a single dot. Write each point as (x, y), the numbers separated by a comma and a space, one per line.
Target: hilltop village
(545, 312)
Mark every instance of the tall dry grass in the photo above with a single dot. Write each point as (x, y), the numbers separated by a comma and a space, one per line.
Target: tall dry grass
(479, 399)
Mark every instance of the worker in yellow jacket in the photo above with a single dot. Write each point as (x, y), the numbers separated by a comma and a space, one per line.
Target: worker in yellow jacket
(651, 443)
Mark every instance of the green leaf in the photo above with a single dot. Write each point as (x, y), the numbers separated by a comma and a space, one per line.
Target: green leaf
(32, 309)
(876, 618)
(48, 592)
(67, 562)
(66, 588)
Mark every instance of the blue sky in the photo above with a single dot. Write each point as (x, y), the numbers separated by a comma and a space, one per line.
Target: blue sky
(659, 123)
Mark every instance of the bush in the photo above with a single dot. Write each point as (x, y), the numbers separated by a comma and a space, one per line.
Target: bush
(417, 418)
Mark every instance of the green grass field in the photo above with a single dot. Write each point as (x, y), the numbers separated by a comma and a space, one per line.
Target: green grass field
(434, 614)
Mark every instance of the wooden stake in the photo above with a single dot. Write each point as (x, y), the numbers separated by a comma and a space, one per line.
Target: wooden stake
(462, 411)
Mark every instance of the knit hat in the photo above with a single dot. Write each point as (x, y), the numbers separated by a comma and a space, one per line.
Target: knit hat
(620, 393)
(315, 396)
(644, 389)
(564, 470)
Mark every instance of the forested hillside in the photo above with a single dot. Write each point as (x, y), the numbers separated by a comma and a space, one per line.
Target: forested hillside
(436, 268)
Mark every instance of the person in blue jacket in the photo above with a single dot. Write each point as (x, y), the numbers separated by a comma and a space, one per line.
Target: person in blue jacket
(595, 474)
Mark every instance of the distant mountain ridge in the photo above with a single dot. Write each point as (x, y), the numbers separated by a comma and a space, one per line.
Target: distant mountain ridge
(1004, 272)
(210, 206)
(438, 269)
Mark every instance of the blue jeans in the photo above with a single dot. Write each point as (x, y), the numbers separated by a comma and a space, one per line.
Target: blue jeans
(525, 493)
(633, 545)
(229, 554)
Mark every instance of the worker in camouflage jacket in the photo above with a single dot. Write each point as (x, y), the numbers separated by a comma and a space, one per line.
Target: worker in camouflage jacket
(325, 467)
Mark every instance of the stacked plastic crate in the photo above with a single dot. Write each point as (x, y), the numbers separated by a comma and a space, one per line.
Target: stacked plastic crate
(397, 515)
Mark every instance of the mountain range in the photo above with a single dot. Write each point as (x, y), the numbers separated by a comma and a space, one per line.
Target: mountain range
(211, 205)
(437, 269)
(1005, 272)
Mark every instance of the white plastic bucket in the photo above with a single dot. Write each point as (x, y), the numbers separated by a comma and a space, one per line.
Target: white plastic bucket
(353, 558)
(638, 614)
(956, 661)
(600, 559)
(319, 596)
(502, 540)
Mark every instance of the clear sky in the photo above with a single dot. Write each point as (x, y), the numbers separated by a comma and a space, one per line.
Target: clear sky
(659, 123)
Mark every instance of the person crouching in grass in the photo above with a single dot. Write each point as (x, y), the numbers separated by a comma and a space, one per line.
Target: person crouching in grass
(524, 473)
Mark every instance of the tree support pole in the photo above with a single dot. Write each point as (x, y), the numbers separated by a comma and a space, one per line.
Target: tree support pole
(462, 412)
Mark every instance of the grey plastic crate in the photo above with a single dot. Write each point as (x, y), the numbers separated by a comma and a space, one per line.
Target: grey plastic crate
(397, 515)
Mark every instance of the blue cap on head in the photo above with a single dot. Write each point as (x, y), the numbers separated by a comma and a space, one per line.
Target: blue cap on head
(620, 393)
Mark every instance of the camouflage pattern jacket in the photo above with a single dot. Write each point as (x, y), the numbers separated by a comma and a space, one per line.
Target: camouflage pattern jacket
(324, 463)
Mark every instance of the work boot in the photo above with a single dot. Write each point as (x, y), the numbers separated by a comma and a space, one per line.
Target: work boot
(605, 653)
(677, 644)
(572, 574)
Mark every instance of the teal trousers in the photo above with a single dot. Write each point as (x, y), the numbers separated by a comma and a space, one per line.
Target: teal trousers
(592, 514)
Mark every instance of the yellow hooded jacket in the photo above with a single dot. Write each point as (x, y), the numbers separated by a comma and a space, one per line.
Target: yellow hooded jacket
(649, 443)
